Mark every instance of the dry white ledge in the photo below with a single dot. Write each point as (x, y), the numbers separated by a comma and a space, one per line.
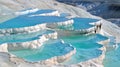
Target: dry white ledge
(54, 13)
(28, 44)
(26, 11)
(33, 28)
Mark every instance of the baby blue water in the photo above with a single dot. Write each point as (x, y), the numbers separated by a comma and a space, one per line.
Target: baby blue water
(23, 37)
(86, 47)
(112, 57)
(50, 49)
(79, 23)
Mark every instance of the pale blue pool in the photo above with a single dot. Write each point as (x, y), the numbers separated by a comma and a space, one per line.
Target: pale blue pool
(112, 57)
(83, 23)
(79, 23)
(50, 49)
(86, 47)
(23, 37)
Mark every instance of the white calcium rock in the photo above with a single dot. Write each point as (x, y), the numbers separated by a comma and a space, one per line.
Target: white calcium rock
(23, 30)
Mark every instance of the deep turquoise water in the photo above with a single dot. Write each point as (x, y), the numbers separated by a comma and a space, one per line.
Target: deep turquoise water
(25, 21)
(83, 23)
(79, 23)
(23, 37)
(49, 49)
(86, 46)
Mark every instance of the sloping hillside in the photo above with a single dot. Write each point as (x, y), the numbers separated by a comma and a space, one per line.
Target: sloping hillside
(8, 6)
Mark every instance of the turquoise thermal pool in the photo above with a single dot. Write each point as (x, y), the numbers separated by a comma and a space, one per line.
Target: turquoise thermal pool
(78, 48)
(24, 37)
(83, 23)
(112, 58)
(86, 47)
(25, 21)
(79, 23)
(50, 49)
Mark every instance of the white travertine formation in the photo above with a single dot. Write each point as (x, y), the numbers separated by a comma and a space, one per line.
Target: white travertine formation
(8, 6)
(22, 30)
(28, 44)
(58, 59)
(5, 60)
(55, 25)
(32, 44)
(54, 13)
(26, 11)
(68, 32)
(33, 28)
(95, 62)
(77, 32)
(97, 22)
(4, 47)
(52, 61)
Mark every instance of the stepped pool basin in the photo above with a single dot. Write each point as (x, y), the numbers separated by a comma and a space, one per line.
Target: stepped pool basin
(79, 23)
(86, 47)
(34, 12)
(50, 49)
(83, 23)
(24, 37)
(35, 38)
(25, 21)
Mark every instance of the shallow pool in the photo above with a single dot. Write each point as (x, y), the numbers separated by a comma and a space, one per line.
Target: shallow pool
(26, 21)
(79, 23)
(23, 37)
(112, 57)
(86, 47)
(50, 49)
(83, 23)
